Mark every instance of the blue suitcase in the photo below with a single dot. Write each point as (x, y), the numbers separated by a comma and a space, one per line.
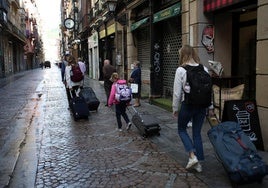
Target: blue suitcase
(237, 153)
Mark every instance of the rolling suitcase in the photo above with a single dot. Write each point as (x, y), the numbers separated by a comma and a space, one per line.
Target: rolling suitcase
(237, 153)
(78, 107)
(146, 124)
(90, 97)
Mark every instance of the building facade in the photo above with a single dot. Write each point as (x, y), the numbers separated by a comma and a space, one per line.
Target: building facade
(20, 44)
(233, 32)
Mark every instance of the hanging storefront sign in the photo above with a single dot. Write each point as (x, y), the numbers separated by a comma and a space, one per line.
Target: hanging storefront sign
(167, 13)
(208, 38)
(159, 16)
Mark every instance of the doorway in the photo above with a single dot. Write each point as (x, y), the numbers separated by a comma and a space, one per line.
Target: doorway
(244, 50)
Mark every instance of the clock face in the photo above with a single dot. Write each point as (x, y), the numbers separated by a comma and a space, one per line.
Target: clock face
(69, 23)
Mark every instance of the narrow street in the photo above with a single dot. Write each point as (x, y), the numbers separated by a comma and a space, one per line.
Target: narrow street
(42, 146)
(87, 153)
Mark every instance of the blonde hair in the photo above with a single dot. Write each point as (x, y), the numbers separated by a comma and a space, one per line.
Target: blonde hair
(186, 54)
(114, 77)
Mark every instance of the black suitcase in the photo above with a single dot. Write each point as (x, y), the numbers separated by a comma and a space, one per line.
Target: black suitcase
(90, 97)
(145, 123)
(79, 107)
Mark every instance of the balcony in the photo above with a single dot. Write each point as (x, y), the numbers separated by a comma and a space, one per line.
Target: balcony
(14, 31)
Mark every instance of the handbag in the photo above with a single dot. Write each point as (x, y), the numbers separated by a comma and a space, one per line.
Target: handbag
(134, 87)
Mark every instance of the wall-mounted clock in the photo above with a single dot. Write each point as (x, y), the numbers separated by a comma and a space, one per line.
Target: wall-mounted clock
(69, 23)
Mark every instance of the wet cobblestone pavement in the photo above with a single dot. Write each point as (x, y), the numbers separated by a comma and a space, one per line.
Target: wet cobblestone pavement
(92, 153)
(42, 145)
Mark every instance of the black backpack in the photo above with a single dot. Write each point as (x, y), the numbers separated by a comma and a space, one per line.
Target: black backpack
(200, 86)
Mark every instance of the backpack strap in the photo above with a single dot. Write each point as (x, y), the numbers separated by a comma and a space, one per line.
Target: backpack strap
(237, 137)
(241, 143)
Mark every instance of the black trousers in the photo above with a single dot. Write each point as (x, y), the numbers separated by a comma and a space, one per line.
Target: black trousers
(107, 87)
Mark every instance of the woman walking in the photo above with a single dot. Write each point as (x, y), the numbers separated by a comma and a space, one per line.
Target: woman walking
(188, 112)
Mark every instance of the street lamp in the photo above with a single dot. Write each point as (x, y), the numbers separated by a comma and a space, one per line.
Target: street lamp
(111, 5)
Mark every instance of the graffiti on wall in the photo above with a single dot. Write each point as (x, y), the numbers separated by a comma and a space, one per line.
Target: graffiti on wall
(157, 57)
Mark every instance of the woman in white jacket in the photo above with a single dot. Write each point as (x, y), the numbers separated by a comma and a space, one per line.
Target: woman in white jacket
(188, 112)
(72, 87)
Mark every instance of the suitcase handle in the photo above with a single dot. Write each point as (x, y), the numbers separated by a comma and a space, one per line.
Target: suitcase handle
(134, 109)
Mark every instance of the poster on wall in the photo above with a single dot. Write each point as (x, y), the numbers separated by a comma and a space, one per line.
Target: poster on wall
(245, 112)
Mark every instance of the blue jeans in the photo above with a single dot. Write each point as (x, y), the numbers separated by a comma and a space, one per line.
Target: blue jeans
(120, 110)
(197, 115)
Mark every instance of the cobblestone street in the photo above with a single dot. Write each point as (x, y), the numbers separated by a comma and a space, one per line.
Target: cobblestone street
(60, 152)
(92, 153)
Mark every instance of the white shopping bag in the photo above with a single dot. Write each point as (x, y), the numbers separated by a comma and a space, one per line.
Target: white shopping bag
(134, 88)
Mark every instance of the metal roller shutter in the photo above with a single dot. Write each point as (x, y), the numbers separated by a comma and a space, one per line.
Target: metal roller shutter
(144, 57)
(172, 42)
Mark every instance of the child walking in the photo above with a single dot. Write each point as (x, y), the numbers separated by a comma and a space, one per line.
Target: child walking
(120, 107)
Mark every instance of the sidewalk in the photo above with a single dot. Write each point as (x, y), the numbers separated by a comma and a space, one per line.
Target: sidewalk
(213, 173)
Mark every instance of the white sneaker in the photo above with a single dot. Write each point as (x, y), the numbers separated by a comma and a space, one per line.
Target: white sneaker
(120, 130)
(129, 125)
(191, 162)
(198, 167)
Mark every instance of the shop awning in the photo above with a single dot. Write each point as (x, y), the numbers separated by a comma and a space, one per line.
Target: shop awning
(212, 5)
(167, 13)
(139, 23)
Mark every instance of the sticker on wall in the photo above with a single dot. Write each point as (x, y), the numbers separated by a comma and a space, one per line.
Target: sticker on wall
(208, 38)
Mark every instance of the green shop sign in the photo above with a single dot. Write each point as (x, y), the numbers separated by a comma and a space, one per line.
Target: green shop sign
(167, 13)
(139, 23)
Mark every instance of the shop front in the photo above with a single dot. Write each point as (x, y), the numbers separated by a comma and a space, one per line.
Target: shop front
(170, 41)
(157, 49)
(107, 47)
(239, 41)
(93, 56)
(235, 28)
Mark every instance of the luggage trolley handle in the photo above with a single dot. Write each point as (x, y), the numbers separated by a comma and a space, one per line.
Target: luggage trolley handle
(134, 109)
(137, 112)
